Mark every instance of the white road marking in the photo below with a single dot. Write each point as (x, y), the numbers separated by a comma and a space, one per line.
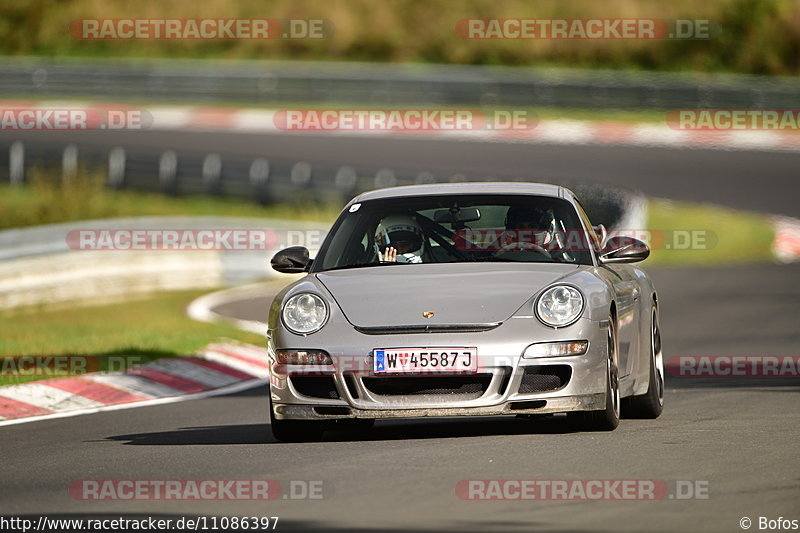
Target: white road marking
(41, 395)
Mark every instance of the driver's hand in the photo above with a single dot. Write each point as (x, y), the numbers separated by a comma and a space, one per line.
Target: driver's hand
(389, 256)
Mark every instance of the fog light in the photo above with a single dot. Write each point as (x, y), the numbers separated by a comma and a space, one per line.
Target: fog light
(303, 357)
(555, 349)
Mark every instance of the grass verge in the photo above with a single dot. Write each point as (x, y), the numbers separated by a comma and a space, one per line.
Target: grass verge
(46, 201)
(137, 331)
(687, 234)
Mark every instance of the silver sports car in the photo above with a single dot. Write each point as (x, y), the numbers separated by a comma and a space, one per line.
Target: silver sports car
(464, 300)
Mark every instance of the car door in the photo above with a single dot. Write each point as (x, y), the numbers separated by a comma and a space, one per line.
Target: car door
(627, 295)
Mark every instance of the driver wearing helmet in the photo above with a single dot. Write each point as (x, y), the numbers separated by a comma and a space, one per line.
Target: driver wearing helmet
(532, 225)
(399, 238)
(535, 228)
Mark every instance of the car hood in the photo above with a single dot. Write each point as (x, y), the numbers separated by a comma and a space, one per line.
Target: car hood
(457, 293)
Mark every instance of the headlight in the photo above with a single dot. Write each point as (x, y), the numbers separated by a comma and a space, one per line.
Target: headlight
(559, 306)
(304, 313)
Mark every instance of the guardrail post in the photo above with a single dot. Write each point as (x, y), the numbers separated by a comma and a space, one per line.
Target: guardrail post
(259, 176)
(259, 172)
(116, 168)
(16, 163)
(212, 173)
(168, 171)
(385, 178)
(301, 174)
(346, 179)
(69, 163)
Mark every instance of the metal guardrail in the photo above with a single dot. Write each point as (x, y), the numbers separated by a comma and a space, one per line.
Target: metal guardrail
(274, 82)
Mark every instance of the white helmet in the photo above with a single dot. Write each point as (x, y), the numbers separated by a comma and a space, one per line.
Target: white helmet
(403, 233)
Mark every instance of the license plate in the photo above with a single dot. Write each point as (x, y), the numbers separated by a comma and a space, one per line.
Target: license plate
(423, 360)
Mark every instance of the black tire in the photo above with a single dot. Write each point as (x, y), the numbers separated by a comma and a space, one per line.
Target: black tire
(294, 430)
(651, 404)
(605, 419)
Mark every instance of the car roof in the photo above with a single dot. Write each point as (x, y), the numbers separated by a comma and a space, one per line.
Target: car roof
(494, 187)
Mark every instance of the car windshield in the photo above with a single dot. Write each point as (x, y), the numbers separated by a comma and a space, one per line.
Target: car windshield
(455, 228)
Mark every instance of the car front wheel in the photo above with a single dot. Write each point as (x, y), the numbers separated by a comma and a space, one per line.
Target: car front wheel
(606, 419)
(650, 404)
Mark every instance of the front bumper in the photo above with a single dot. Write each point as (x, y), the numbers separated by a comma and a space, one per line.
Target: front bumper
(506, 383)
(586, 402)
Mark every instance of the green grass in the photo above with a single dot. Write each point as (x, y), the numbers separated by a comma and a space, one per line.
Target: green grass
(540, 113)
(602, 115)
(716, 235)
(143, 330)
(45, 201)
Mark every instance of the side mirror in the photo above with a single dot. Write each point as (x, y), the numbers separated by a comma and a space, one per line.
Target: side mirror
(294, 260)
(623, 249)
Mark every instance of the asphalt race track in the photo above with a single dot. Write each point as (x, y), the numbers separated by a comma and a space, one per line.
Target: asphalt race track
(737, 436)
